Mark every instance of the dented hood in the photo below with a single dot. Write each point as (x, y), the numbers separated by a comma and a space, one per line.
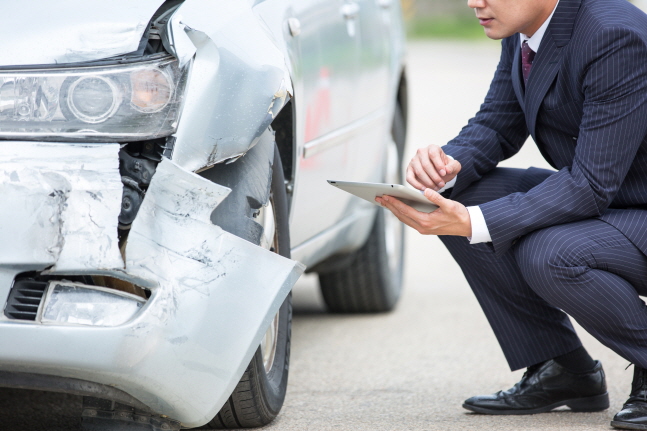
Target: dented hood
(70, 31)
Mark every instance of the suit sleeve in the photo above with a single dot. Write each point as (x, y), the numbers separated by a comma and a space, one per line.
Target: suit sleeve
(498, 130)
(613, 127)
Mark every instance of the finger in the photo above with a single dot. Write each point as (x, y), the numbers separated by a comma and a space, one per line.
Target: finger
(390, 205)
(393, 205)
(453, 167)
(411, 179)
(426, 178)
(403, 208)
(414, 219)
(437, 199)
(436, 156)
(436, 181)
(433, 173)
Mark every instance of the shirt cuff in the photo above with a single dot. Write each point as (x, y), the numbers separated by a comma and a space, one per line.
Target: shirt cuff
(480, 232)
(448, 185)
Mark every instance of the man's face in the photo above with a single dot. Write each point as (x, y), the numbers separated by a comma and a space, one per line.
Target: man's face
(503, 18)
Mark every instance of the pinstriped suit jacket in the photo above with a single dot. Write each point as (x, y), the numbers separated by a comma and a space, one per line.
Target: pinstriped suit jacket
(585, 105)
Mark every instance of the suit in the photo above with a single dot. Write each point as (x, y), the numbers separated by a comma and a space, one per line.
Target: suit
(585, 105)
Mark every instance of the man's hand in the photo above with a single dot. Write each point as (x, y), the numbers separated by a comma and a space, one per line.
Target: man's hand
(451, 218)
(431, 168)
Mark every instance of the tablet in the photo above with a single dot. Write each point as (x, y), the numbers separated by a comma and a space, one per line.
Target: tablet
(369, 191)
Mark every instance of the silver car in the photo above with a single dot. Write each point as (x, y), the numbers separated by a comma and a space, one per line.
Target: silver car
(163, 170)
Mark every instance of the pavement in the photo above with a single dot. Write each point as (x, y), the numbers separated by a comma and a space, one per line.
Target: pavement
(410, 369)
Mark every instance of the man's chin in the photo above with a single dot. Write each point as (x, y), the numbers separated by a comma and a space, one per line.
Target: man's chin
(495, 34)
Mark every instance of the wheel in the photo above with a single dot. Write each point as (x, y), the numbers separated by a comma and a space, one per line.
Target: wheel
(371, 279)
(259, 395)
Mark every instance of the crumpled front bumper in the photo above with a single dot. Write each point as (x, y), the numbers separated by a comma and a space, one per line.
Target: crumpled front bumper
(213, 294)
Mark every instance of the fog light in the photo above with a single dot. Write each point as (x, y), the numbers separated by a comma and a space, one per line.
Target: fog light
(80, 304)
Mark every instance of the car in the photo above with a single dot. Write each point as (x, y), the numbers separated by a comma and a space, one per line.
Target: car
(164, 167)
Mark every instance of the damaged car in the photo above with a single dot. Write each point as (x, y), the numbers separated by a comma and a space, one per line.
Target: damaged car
(163, 166)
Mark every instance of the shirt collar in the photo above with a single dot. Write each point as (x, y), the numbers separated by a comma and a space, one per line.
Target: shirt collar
(535, 40)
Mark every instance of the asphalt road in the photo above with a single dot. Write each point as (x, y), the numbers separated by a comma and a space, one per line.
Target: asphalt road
(410, 369)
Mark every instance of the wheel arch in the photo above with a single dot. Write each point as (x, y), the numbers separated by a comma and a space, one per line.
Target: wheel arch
(249, 179)
(284, 128)
(402, 97)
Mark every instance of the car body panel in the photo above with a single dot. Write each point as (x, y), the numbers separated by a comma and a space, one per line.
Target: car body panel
(238, 84)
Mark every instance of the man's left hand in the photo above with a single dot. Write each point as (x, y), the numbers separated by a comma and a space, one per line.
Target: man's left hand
(451, 217)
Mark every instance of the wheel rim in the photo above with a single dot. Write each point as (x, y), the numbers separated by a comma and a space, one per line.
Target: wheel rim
(269, 241)
(268, 344)
(394, 228)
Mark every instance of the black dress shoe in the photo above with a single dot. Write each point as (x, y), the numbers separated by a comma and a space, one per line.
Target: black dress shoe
(633, 415)
(545, 388)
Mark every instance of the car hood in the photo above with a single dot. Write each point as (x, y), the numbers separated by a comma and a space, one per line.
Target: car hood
(70, 31)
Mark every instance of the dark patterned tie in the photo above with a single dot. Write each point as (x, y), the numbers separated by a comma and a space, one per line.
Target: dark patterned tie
(527, 56)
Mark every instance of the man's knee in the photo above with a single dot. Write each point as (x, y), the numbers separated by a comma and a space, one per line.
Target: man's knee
(548, 257)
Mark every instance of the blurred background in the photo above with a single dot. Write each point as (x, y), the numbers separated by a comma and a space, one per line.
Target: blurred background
(448, 19)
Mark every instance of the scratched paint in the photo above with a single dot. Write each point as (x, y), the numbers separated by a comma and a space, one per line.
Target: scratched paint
(65, 200)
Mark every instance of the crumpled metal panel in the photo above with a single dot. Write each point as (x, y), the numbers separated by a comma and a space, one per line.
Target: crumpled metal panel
(69, 31)
(61, 203)
(206, 285)
(239, 81)
(213, 294)
(176, 41)
(172, 239)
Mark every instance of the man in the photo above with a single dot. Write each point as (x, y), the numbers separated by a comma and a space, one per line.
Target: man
(573, 75)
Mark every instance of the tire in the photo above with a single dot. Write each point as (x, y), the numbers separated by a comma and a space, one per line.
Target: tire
(259, 395)
(370, 281)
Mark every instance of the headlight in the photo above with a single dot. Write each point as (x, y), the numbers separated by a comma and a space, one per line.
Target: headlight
(79, 304)
(93, 104)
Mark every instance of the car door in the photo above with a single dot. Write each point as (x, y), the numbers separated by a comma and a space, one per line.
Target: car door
(328, 49)
(373, 61)
(372, 99)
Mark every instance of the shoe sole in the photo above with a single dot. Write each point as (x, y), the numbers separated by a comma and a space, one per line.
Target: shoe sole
(628, 426)
(589, 404)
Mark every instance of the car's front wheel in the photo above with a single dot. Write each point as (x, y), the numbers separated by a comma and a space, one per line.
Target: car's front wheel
(259, 395)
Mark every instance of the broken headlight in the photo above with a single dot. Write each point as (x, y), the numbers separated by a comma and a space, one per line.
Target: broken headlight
(79, 304)
(125, 102)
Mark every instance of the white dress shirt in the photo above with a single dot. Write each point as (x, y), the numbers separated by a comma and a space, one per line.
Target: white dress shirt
(480, 231)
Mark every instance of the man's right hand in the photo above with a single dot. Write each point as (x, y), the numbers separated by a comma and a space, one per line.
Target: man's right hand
(431, 168)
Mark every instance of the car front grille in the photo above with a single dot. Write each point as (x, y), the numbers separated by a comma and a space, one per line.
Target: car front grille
(24, 299)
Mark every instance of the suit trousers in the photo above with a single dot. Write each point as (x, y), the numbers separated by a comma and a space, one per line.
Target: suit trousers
(586, 269)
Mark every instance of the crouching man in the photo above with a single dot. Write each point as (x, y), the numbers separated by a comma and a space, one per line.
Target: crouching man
(543, 244)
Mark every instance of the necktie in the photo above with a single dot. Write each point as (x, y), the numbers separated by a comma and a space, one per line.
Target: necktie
(527, 56)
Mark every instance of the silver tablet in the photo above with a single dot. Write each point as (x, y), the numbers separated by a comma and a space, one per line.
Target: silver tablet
(369, 191)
